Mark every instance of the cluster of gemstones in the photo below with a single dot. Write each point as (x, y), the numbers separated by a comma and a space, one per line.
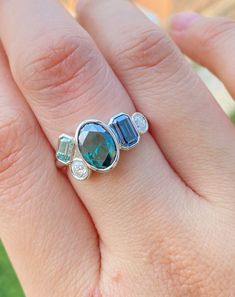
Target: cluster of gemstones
(96, 145)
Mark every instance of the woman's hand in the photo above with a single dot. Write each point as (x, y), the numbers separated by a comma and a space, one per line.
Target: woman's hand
(163, 222)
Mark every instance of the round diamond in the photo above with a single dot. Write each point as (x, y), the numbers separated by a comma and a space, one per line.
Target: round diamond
(140, 122)
(79, 169)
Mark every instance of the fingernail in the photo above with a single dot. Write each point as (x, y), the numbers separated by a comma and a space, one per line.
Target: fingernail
(183, 20)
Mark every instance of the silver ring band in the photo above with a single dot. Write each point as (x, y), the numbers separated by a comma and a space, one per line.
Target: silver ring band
(96, 146)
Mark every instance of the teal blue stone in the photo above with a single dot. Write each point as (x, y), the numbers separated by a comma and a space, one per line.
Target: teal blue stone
(65, 149)
(97, 146)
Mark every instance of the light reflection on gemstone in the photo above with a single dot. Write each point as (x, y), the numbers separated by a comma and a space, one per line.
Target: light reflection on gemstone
(79, 169)
(97, 146)
(65, 149)
(125, 130)
(140, 122)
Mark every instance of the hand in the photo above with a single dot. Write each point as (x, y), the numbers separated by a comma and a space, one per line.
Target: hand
(163, 222)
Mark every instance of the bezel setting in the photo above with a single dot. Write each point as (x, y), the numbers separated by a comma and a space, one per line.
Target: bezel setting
(145, 128)
(84, 169)
(107, 128)
(69, 150)
(102, 150)
(122, 147)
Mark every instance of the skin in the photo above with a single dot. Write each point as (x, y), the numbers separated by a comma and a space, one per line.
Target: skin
(163, 222)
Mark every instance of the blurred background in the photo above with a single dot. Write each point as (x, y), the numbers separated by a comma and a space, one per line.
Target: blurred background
(159, 12)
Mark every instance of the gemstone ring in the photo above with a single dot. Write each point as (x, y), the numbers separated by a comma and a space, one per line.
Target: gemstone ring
(96, 146)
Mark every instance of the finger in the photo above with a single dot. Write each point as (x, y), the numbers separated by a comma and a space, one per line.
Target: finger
(209, 41)
(46, 230)
(66, 80)
(190, 128)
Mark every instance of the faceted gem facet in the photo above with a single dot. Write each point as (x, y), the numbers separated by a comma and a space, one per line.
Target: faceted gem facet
(65, 149)
(140, 122)
(79, 169)
(125, 131)
(97, 145)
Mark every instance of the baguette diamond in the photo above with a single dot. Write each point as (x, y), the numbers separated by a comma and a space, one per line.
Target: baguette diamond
(65, 151)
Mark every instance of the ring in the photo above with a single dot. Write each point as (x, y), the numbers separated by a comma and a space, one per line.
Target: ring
(96, 146)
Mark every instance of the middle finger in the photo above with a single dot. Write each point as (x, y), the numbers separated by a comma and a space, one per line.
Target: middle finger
(191, 129)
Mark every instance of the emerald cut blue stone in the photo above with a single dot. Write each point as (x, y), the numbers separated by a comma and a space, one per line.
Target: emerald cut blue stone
(97, 145)
(125, 131)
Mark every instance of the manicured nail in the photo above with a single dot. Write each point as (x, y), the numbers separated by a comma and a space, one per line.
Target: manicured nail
(183, 20)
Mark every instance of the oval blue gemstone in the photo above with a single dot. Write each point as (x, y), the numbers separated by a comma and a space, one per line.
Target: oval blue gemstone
(97, 145)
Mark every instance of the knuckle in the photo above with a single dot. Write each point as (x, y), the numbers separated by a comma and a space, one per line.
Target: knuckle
(147, 49)
(20, 149)
(177, 259)
(58, 65)
(9, 142)
(216, 32)
(14, 135)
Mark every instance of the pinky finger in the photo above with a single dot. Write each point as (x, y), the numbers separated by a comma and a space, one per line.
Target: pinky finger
(208, 41)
